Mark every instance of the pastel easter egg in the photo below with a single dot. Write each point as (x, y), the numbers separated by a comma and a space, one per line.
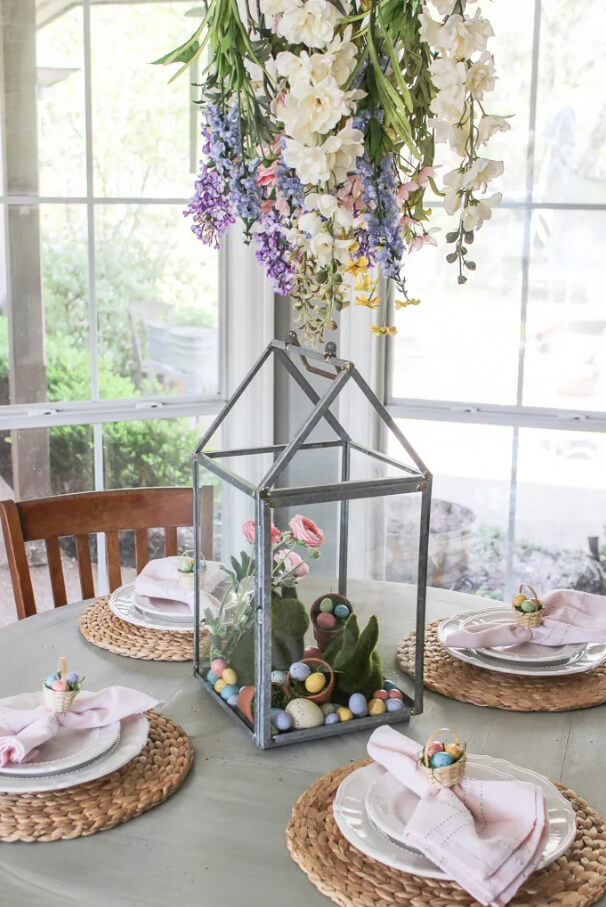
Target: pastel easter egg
(217, 666)
(212, 678)
(434, 748)
(344, 714)
(395, 694)
(299, 671)
(527, 606)
(326, 621)
(455, 751)
(441, 760)
(72, 677)
(278, 677)
(341, 611)
(331, 718)
(229, 676)
(315, 682)
(329, 708)
(305, 713)
(312, 652)
(518, 598)
(283, 721)
(376, 707)
(233, 700)
(50, 680)
(220, 683)
(59, 686)
(230, 689)
(394, 705)
(358, 705)
(326, 605)
(380, 694)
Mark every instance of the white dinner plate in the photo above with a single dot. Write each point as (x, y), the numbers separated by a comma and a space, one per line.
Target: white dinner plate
(586, 658)
(122, 604)
(350, 814)
(70, 748)
(523, 652)
(214, 581)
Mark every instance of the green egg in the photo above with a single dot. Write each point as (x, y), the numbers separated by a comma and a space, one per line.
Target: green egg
(328, 708)
(527, 606)
(326, 605)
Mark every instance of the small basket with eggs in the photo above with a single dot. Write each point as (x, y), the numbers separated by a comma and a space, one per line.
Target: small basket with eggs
(443, 764)
(185, 569)
(59, 690)
(528, 609)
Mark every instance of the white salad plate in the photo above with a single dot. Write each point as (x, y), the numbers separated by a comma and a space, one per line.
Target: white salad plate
(128, 743)
(126, 604)
(551, 661)
(365, 788)
(525, 652)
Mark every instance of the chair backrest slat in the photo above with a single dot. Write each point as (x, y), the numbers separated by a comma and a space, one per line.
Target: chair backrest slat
(85, 566)
(55, 569)
(141, 549)
(170, 541)
(17, 560)
(112, 554)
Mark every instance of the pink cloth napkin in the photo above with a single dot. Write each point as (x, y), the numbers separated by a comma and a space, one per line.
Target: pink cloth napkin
(160, 579)
(570, 617)
(487, 835)
(23, 730)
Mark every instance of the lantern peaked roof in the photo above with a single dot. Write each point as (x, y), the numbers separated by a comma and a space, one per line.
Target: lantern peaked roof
(339, 373)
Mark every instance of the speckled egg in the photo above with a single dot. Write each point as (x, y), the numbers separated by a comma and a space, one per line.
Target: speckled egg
(299, 671)
(229, 676)
(454, 750)
(219, 684)
(72, 677)
(380, 694)
(394, 705)
(395, 694)
(376, 707)
(230, 689)
(326, 621)
(527, 606)
(326, 605)
(315, 683)
(282, 720)
(217, 666)
(441, 760)
(233, 700)
(331, 718)
(278, 677)
(344, 714)
(434, 748)
(341, 611)
(329, 708)
(59, 686)
(50, 680)
(305, 713)
(358, 705)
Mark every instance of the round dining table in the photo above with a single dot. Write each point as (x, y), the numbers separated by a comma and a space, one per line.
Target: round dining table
(220, 840)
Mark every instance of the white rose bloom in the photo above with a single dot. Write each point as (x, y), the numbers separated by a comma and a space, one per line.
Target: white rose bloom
(321, 246)
(344, 56)
(433, 32)
(446, 73)
(312, 109)
(481, 172)
(309, 163)
(464, 36)
(489, 125)
(455, 136)
(311, 24)
(449, 104)
(310, 222)
(481, 75)
(277, 7)
(322, 202)
(343, 150)
(475, 214)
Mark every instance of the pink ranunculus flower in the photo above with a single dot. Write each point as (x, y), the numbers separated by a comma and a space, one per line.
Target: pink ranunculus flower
(424, 175)
(249, 528)
(266, 176)
(306, 531)
(292, 562)
(266, 205)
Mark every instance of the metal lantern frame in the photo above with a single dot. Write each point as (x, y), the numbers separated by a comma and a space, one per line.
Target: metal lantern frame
(266, 495)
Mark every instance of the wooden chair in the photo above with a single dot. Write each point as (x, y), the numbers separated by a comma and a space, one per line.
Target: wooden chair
(97, 511)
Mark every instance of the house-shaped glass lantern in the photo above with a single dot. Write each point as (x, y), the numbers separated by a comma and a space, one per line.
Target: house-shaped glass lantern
(310, 515)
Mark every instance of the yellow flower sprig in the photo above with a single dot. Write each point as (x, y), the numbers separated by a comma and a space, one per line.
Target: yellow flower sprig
(402, 303)
(382, 329)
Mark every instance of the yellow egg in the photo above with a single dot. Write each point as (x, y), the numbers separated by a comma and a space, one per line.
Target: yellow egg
(219, 685)
(229, 676)
(344, 714)
(518, 598)
(376, 707)
(453, 750)
(314, 683)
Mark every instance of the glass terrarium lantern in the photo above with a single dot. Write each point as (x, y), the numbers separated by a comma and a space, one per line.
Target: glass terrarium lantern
(260, 662)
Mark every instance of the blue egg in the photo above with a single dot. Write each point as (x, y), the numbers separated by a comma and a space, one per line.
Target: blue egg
(230, 689)
(299, 671)
(440, 760)
(278, 676)
(282, 721)
(394, 705)
(233, 700)
(341, 611)
(72, 677)
(331, 718)
(50, 679)
(212, 678)
(358, 705)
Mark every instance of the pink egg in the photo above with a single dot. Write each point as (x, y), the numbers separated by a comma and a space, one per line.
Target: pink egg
(395, 694)
(380, 694)
(217, 666)
(59, 686)
(326, 621)
(434, 748)
(312, 652)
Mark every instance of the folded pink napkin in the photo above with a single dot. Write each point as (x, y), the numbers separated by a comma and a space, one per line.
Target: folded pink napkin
(22, 730)
(160, 578)
(570, 617)
(486, 835)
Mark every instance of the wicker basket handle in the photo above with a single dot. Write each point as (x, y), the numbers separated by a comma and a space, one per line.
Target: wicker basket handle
(63, 668)
(523, 586)
(432, 738)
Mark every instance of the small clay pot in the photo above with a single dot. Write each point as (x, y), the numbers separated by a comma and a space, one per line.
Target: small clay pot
(325, 694)
(245, 698)
(324, 637)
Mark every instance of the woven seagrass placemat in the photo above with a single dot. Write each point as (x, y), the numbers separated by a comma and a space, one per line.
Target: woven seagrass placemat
(466, 683)
(146, 781)
(99, 625)
(351, 879)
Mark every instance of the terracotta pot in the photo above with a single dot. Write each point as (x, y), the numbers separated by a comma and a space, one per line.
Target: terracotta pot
(245, 698)
(325, 694)
(324, 637)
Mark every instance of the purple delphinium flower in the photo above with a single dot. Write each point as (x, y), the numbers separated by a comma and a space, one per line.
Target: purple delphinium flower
(382, 215)
(275, 253)
(221, 132)
(210, 208)
(246, 192)
(289, 186)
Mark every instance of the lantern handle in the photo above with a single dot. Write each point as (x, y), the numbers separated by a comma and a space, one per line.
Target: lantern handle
(330, 351)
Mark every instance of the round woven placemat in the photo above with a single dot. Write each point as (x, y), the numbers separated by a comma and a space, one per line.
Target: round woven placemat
(466, 683)
(99, 625)
(348, 877)
(146, 781)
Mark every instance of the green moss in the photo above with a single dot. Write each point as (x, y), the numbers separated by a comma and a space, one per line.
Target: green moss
(357, 664)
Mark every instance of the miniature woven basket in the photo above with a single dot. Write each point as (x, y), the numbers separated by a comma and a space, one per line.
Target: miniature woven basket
(186, 577)
(447, 775)
(534, 618)
(55, 700)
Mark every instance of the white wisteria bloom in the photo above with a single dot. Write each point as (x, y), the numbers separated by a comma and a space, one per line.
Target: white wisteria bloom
(468, 35)
(311, 24)
(343, 150)
(453, 182)
(431, 31)
(489, 125)
(481, 75)
(481, 172)
(321, 246)
(310, 222)
(480, 210)
(312, 109)
(344, 56)
(309, 163)
(444, 7)
(277, 7)
(303, 69)
(455, 136)
(323, 202)
(447, 73)
(449, 104)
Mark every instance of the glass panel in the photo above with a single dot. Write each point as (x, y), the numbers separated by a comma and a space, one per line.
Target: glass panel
(471, 465)
(566, 323)
(461, 343)
(570, 160)
(140, 122)
(60, 92)
(157, 298)
(561, 505)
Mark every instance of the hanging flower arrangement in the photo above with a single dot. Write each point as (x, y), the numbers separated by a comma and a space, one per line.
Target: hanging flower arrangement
(320, 120)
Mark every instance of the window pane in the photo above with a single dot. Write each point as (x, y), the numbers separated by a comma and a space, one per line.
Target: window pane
(140, 122)
(462, 343)
(60, 95)
(157, 297)
(471, 465)
(570, 161)
(561, 503)
(566, 322)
